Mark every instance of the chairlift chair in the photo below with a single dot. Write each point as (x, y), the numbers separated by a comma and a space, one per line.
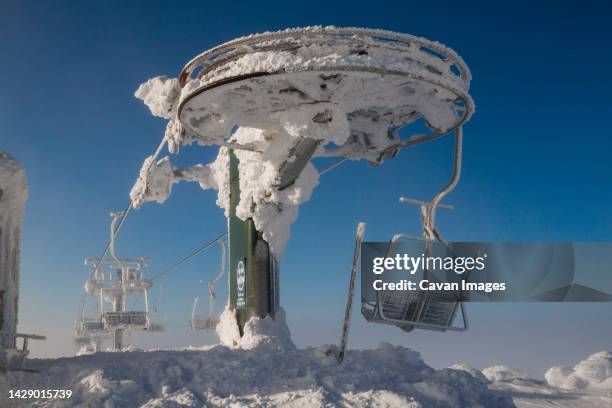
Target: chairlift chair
(209, 322)
(417, 308)
(112, 279)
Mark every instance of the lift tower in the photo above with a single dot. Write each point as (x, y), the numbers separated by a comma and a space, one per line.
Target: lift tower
(312, 92)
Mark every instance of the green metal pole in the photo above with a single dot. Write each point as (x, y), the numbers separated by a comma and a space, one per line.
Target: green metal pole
(253, 279)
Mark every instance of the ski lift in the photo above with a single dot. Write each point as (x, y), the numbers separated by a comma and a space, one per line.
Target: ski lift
(417, 308)
(208, 322)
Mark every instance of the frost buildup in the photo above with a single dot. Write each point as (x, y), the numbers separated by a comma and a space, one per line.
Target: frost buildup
(594, 372)
(13, 194)
(348, 113)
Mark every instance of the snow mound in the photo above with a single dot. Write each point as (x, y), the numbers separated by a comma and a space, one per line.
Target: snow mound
(594, 371)
(504, 373)
(272, 334)
(388, 376)
(470, 370)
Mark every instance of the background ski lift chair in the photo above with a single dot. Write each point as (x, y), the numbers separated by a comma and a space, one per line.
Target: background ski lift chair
(208, 322)
(431, 310)
(130, 279)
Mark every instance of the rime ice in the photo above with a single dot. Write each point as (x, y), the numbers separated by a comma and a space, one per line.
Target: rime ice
(346, 93)
(13, 194)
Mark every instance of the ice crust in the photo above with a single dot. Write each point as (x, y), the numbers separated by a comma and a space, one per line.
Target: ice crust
(594, 372)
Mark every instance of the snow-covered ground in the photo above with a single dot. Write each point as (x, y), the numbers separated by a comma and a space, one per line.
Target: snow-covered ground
(264, 369)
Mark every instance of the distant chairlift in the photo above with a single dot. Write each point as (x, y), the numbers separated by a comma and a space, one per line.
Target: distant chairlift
(431, 310)
(199, 322)
(130, 280)
(112, 279)
(122, 277)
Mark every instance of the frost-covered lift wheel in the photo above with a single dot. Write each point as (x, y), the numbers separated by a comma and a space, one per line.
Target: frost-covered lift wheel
(364, 84)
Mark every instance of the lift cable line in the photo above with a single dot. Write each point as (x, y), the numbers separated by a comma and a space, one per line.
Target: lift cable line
(128, 208)
(188, 257)
(116, 230)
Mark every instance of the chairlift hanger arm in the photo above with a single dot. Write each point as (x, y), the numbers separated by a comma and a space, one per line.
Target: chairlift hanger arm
(434, 203)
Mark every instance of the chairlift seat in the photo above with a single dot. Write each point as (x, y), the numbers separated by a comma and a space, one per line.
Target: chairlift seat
(415, 309)
(82, 339)
(156, 327)
(94, 325)
(203, 323)
(126, 320)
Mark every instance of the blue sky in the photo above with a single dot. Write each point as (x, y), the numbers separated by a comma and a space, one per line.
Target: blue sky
(537, 162)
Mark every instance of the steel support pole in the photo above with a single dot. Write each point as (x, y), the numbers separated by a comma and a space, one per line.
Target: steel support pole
(253, 278)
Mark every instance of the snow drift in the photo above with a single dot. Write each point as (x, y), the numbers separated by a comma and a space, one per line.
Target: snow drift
(268, 333)
(504, 373)
(595, 371)
(223, 377)
(470, 370)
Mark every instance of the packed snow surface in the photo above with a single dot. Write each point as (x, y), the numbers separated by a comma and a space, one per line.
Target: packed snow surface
(224, 377)
(527, 392)
(265, 369)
